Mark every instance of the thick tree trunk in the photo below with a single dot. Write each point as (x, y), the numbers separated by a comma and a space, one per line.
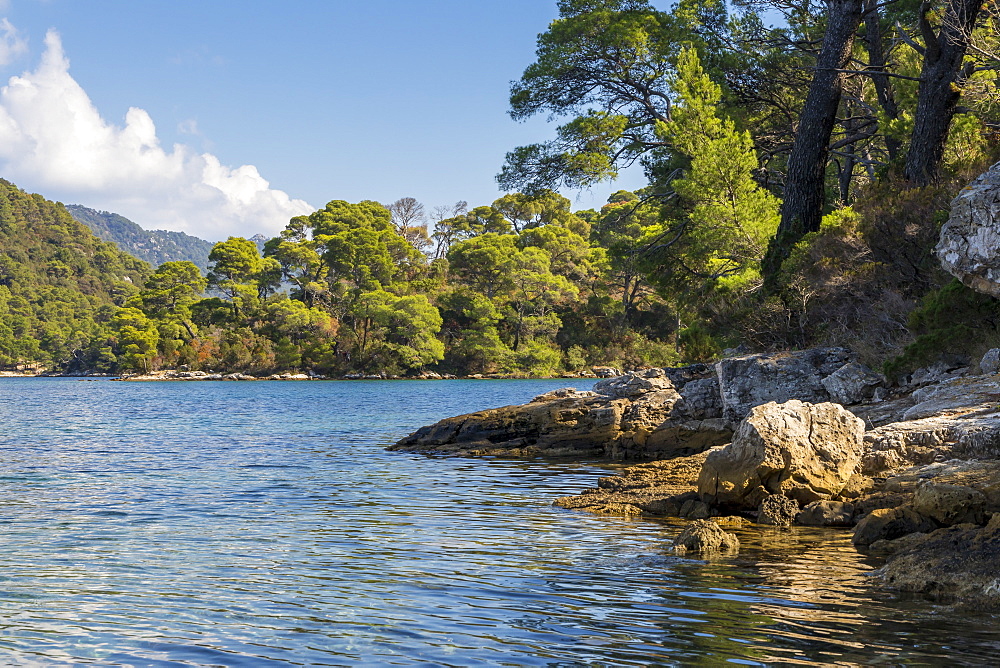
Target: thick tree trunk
(880, 78)
(802, 208)
(941, 78)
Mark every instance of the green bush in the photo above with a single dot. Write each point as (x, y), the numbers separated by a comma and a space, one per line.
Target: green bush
(954, 319)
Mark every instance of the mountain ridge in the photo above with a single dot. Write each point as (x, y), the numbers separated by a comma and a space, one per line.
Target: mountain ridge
(152, 246)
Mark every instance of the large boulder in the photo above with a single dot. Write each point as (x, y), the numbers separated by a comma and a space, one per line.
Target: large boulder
(807, 452)
(890, 524)
(969, 247)
(852, 383)
(752, 380)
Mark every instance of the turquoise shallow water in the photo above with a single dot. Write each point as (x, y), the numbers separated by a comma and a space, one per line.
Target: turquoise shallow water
(263, 524)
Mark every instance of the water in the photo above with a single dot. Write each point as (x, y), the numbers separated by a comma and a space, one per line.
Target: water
(263, 524)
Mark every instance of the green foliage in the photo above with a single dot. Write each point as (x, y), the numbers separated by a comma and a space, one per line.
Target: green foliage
(59, 284)
(697, 345)
(951, 320)
(729, 218)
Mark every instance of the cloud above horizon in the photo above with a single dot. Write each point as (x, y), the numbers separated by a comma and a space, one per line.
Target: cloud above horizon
(54, 140)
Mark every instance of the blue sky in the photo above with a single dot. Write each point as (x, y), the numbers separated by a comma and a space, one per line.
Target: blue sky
(244, 113)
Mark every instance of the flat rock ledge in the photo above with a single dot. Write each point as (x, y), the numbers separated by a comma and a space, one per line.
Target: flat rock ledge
(651, 414)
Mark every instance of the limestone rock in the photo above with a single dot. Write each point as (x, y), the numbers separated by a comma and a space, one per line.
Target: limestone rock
(572, 425)
(990, 363)
(805, 451)
(702, 399)
(957, 419)
(969, 246)
(949, 504)
(889, 524)
(633, 417)
(656, 488)
(694, 509)
(954, 563)
(826, 514)
(852, 383)
(633, 385)
(706, 536)
(752, 380)
(777, 510)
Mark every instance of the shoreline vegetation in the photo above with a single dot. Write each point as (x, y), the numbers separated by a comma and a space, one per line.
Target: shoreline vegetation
(751, 233)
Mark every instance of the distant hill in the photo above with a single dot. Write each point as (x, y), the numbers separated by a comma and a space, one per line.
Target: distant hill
(153, 246)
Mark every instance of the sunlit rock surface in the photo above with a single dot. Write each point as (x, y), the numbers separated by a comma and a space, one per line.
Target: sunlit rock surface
(969, 246)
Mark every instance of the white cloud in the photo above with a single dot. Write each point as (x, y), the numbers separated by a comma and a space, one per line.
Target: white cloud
(53, 140)
(12, 43)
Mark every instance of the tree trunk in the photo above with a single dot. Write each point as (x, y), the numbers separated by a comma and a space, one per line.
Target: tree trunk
(880, 79)
(941, 79)
(802, 207)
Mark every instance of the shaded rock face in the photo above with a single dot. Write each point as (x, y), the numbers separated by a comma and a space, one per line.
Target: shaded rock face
(807, 452)
(826, 514)
(752, 380)
(889, 524)
(705, 536)
(958, 562)
(852, 383)
(641, 415)
(969, 247)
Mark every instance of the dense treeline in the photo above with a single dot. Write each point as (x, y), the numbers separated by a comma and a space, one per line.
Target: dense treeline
(798, 176)
(346, 289)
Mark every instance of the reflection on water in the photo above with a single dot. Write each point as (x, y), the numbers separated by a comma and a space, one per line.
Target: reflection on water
(263, 524)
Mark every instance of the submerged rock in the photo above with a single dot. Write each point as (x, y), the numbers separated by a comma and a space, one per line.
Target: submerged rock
(705, 536)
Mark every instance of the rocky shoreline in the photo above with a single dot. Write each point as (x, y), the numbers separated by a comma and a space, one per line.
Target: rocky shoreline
(810, 438)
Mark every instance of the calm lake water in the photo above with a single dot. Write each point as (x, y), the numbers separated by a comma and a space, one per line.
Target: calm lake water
(263, 524)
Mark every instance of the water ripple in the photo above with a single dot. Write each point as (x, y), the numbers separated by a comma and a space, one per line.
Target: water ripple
(263, 525)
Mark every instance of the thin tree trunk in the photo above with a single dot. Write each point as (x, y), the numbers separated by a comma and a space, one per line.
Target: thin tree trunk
(879, 76)
(802, 207)
(941, 79)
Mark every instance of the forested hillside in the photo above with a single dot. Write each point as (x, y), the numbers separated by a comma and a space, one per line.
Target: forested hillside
(797, 180)
(60, 286)
(152, 246)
